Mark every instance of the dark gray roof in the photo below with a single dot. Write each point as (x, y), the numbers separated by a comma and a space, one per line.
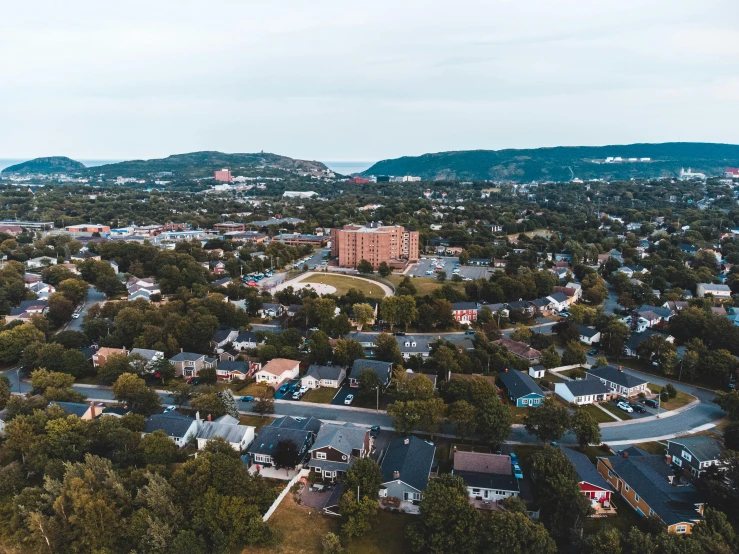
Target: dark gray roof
(302, 423)
(222, 334)
(269, 436)
(344, 438)
(649, 476)
(519, 305)
(412, 460)
(613, 374)
(519, 384)
(703, 448)
(465, 306)
(173, 423)
(324, 372)
(246, 336)
(489, 481)
(228, 365)
(633, 342)
(212, 429)
(588, 332)
(74, 408)
(585, 469)
(186, 357)
(559, 297)
(382, 369)
(421, 344)
(583, 387)
(145, 353)
(659, 310)
(541, 302)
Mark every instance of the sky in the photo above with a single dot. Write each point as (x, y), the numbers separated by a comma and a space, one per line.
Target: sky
(338, 80)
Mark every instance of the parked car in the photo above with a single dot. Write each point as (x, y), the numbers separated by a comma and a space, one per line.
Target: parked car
(169, 409)
(76, 315)
(349, 399)
(638, 408)
(374, 431)
(399, 333)
(247, 399)
(193, 381)
(514, 458)
(284, 388)
(517, 473)
(593, 352)
(564, 314)
(470, 332)
(297, 395)
(625, 407)
(651, 403)
(303, 390)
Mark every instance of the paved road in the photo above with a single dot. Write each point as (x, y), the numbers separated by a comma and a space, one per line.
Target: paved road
(93, 297)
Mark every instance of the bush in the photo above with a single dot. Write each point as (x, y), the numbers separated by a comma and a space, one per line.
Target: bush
(664, 396)
(670, 390)
(642, 395)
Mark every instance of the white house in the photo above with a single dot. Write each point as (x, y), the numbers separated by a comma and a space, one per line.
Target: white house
(582, 391)
(588, 335)
(245, 340)
(179, 428)
(489, 477)
(323, 376)
(537, 371)
(228, 428)
(559, 301)
(42, 261)
(151, 356)
(278, 370)
(618, 381)
(717, 291)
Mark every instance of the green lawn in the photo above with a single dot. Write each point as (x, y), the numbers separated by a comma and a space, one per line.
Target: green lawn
(524, 453)
(424, 285)
(323, 395)
(599, 415)
(553, 378)
(574, 373)
(387, 535)
(624, 520)
(653, 447)
(593, 452)
(517, 412)
(343, 283)
(254, 421)
(616, 411)
(681, 399)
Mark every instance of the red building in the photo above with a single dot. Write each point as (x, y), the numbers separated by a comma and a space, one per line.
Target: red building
(224, 175)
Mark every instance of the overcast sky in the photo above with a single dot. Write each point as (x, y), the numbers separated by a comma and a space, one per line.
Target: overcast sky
(343, 80)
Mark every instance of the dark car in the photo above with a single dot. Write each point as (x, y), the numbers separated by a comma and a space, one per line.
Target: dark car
(399, 333)
(247, 399)
(638, 408)
(294, 387)
(374, 431)
(651, 403)
(193, 381)
(593, 352)
(284, 388)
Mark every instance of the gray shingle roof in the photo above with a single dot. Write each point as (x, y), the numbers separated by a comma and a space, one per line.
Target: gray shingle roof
(588, 332)
(585, 469)
(559, 297)
(145, 353)
(382, 369)
(413, 461)
(465, 306)
(246, 336)
(301, 423)
(703, 448)
(232, 433)
(343, 438)
(324, 372)
(583, 387)
(494, 481)
(74, 408)
(269, 436)
(519, 384)
(186, 357)
(228, 365)
(613, 374)
(172, 423)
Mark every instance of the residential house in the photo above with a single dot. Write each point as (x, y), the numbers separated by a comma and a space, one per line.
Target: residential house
(543, 306)
(222, 283)
(654, 315)
(262, 448)
(26, 310)
(537, 371)
(522, 390)
(675, 305)
(228, 428)
(179, 428)
(631, 348)
(520, 349)
(591, 483)
(151, 356)
(382, 369)
(223, 337)
(337, 447)
(489, 477)
(412, 375)
(294, 309)
(559, 301)
(83, 410)
(582, 391)
(688, 249)
(696, 454)
(245, 340)
(141, 288)
(499, 310)
(270, 310)
(406, 468)
(649, 485)
(588, 335)
(572, 285)
(523, 306)
(479, 261)
(101, 356)
(618, 381)
(229, 370)
(278, 370)
(189, 364)
(465, 312)
(323, 376)
(414, 346)
(717, 291)
(41, 290)
(499, 263)
(42, 261)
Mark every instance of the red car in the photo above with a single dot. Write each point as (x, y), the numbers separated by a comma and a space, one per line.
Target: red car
(251, 284)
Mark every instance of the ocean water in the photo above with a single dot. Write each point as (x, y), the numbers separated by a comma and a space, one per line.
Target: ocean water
(347, 168)
(7, 162)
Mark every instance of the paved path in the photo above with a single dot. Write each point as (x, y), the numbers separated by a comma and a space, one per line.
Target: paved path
(93, 297)
(297, 281)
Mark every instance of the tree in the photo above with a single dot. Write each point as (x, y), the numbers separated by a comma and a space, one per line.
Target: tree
(550, 357)
(418, 387)
(384, 270)
(229, 403)
(115, 366)
(208, 404)
(606, 540)
(387, 349)
(585, 427)
(319, 349)
(574, 354)
(132, 390)
(512, 532)
(390, 310)
(441, 277)
(364, 267)
(729, 402)
(208, 376)
(464, 417)
(346, 351)
(181, 393)
(60, 308)
(407, 311)
(15, 339)
(363, 314)
(264, 403)
(5, 392)
(614, 337)
(548, 421)
(522, 334)
(366, 475)
(357, 515)
(464, 257)
(286, 454)
(163, 369)
(494, 420)
(369, 382)
(447, 522)
(331, 544)
(158, 448)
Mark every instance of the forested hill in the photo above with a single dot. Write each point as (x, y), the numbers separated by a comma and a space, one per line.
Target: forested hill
(53, 164)
(202, 164)
(564, 163)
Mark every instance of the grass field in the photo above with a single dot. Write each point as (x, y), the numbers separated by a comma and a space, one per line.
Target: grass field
(343, 283)
(424, 285)
(681, 399)
(300, 530)
(324, 395)
(652, 447)
(554, 378)
(255, 421)
(598, 415)
(616, 411)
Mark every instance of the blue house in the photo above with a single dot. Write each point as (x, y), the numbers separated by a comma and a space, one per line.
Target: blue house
(522, 390)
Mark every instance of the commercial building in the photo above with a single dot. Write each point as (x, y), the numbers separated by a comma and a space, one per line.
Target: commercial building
(224, 175)
(391, 244)
(227, 227)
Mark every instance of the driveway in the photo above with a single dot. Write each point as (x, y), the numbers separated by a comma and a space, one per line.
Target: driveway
(381, 443)
(287, 395)
(342, 394)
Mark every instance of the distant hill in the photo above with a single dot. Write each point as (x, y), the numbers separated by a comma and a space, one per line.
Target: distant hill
(203, 164)
(53, 164)
(563, 163)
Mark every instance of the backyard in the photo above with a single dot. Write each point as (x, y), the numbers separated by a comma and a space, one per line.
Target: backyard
(343, 283)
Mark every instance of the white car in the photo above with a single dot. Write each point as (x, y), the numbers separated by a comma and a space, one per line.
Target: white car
(76, 315)
(303, 390)
(625, 407)
(349, 399)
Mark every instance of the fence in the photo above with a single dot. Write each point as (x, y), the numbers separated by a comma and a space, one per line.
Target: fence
(284, 493)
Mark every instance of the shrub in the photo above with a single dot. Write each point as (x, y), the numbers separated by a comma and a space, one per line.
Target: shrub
(670, 390)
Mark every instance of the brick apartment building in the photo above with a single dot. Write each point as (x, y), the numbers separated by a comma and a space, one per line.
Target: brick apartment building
(229, 227)
(224, 175)
(375, 243)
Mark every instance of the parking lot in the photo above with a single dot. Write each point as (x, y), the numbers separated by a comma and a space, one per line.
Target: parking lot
(287, 395)
(469, 272)
(343, 392)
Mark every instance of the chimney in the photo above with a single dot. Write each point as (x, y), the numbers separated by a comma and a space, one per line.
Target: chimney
(197, 416)
(182, 349)
(406, 441)
(396, 475)
(506, 370)
(92, 410)
(620, 368)
(209, 418)
(668, 459)
(625, 454)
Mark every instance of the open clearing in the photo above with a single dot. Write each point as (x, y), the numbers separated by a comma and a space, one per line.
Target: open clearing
(341, 285)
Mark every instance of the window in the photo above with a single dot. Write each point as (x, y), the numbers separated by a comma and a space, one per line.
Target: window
(383, 493)
(610, 473)
(636, 497)
(681, 529)
(525, 401)
(320, 455)
(626, 487)
(687, 455)
(678, 462)
(651, 512)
